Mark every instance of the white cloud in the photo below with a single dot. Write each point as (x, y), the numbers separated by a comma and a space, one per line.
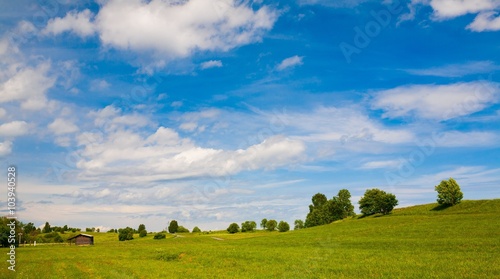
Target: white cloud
(290, 62)
(99, 84)
(14, 129)
(211, 64)
(486, 21)
(381, 164)
(440, 102)
(486, 11)
(334, 4)
(464, 139)
(171, 29)
(78, 23)
(343, 125)
(444, 9)
(126, 153)
(5, 148)
(3, 112)
(457, 70)
(28, 86)
(61, 126)
(188, 126)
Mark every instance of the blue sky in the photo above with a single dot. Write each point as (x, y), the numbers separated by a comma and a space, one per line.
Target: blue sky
(118, 113)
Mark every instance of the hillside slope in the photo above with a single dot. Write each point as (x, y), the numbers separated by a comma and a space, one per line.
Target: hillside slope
(416, 242)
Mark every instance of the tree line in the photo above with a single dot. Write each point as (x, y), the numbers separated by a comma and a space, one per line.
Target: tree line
(322, 211)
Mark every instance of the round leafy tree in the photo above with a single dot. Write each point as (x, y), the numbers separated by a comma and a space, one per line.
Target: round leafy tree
(449, 192)
(271, 225)
(196, 230)
(377, 201)
(283, 226)
(233, 228)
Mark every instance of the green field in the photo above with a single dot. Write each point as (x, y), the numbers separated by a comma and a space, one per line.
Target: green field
(416, 242)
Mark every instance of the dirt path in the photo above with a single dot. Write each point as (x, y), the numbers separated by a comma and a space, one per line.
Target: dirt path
(216, 238)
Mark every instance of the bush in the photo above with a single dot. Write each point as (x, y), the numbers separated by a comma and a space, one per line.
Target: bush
(125, 234)
(377, 201)
(271, 225)
(181, 229)
(159, 236)
(233, 228)
(143, 233)
(283, 226)
(196, 230)
(449, 192)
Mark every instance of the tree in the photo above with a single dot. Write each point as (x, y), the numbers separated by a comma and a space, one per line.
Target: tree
(30, 227)
(283, 226)
(271, 225)
(323, 211)
(263, 223)
(299, 224)
(377, 201)
(449, 192)
(46, 228)
(143, 233)
(248, 226)
(172, 228)
(141, 227)
(233, 228)
(196, 230)
(125, 234)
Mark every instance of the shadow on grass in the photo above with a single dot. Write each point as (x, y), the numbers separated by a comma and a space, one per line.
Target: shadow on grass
(441, 207)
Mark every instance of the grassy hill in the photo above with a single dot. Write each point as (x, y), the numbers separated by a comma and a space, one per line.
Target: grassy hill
(422, 241)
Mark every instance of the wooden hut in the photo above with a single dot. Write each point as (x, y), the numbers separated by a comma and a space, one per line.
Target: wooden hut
(82, 239)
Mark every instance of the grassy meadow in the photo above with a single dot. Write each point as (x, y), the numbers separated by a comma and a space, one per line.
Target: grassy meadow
(422, 241)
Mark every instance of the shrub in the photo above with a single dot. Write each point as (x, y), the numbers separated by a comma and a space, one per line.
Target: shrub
(125, 234)
(283, 226)
(143, 233)
(181, 229)
(233, 228)
(159, 236)
(196, 230)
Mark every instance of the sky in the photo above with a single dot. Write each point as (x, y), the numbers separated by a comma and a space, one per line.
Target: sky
(119, 113)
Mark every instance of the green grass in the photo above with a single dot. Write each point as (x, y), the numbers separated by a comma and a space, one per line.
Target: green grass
(415, 242)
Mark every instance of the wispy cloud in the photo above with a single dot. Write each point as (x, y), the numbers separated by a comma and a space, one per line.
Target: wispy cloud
(439, 102)
(290, 62)
(457, 70)
(211, 64)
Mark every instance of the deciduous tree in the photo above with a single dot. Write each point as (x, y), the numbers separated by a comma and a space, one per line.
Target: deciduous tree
(377, 201)
(449, 192)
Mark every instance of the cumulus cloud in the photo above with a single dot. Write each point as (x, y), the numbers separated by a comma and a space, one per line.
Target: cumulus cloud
(444, 9)
(211, 64)
(486, 10)
(61, 126)
(172, 29)
(290, 62)
(439, 102)
(14, 129)
(134, 154)
(77, 23)
(28, 86)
